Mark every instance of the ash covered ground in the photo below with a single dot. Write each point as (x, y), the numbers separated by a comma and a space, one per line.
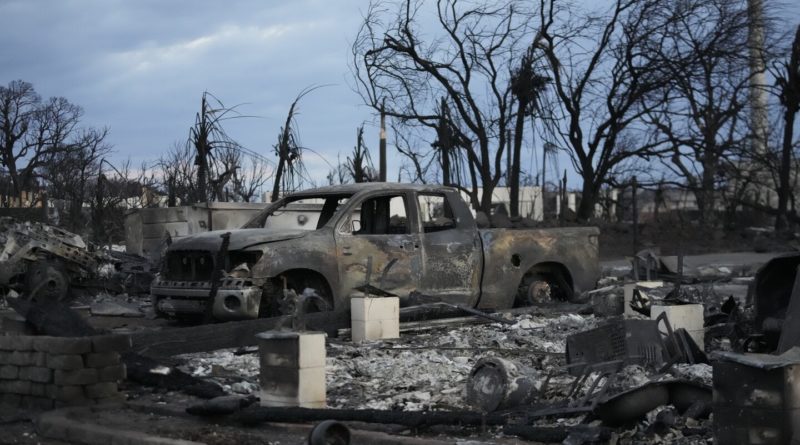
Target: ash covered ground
(428, 370)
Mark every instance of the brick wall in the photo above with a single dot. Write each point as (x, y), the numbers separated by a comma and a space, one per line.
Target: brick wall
(42, 372)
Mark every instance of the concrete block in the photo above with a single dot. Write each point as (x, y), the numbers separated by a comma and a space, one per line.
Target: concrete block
(374, 329)
(36, 403)
(686, 316)
(64, 361)
(9, 372)
(62, 345)
(377, 308)
(291, 349)
(101, 390)
(36, 374)
(38, 389)
(16, 342)
(293, 387)
(112, 373)
(15, 386)
(39, 359)
(86, 376)
(66, 393)
(10, 400)
(101, 359)
(111, 343)
(19, 358)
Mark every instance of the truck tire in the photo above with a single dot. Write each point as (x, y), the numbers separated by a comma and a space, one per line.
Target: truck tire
(276, 301)
(541, 288)
(533, 290)
(47, 280)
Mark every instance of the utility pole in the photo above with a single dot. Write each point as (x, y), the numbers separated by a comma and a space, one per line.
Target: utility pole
(758, 76)
(382, 145)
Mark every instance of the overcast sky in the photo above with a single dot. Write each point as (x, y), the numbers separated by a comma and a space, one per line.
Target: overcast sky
(140, 67)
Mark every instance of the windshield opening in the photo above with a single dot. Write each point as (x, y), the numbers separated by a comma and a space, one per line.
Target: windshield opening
(300, 213)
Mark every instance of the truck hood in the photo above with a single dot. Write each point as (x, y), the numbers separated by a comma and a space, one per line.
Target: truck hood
(240, 239)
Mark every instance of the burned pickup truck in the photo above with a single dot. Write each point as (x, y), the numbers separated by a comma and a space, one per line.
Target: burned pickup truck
(382, 238)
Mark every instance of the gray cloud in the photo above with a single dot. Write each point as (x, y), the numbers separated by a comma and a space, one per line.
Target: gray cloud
(140, 67)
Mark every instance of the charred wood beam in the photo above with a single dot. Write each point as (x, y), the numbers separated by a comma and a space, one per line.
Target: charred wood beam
(233, 334)
(558, 434)
(413, 419)
(149, 372)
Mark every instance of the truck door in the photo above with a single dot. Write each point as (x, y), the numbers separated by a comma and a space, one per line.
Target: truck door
(451, 251)
(378, 243)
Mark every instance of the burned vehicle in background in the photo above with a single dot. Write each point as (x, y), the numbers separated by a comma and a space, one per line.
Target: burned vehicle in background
(392, 239)
(40, 261)
(44, 260)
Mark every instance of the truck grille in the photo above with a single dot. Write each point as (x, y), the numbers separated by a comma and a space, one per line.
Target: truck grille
(189, 266)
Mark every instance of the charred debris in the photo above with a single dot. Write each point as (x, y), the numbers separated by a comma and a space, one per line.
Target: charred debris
(687, 355)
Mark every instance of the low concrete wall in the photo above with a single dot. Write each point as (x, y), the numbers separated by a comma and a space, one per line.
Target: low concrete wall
(41, 372)
(146, 229)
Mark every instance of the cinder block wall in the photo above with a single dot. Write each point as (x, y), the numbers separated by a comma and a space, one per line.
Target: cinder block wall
(42, 372)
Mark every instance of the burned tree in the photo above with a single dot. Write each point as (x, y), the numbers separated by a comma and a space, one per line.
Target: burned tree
(178, 173)
(289, 152)
(357, 167)
(209, 141)
(31, 131)
(249, 178)
(359, 164)
(72, 173)
(698, 114)
(526, 85)
(598, 86)
(468, 61)
(788, 82)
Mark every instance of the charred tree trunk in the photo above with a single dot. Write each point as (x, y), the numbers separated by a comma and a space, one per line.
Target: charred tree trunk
(445, 143)
(519, 127)
(283, 154)
(589, 192)
(790, 99)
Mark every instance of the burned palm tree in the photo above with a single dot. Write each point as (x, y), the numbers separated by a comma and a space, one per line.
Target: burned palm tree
(210, 142)
(526, 85)
(359, 165)
(289, 152)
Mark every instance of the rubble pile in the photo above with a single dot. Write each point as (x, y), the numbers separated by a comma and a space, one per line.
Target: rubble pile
(39, 259)
(419, 371)
(428, 370)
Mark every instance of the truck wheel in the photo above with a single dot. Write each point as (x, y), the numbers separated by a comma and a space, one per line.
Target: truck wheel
(539, 288)
(277, 301)
(533, 290)
(47, 280)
